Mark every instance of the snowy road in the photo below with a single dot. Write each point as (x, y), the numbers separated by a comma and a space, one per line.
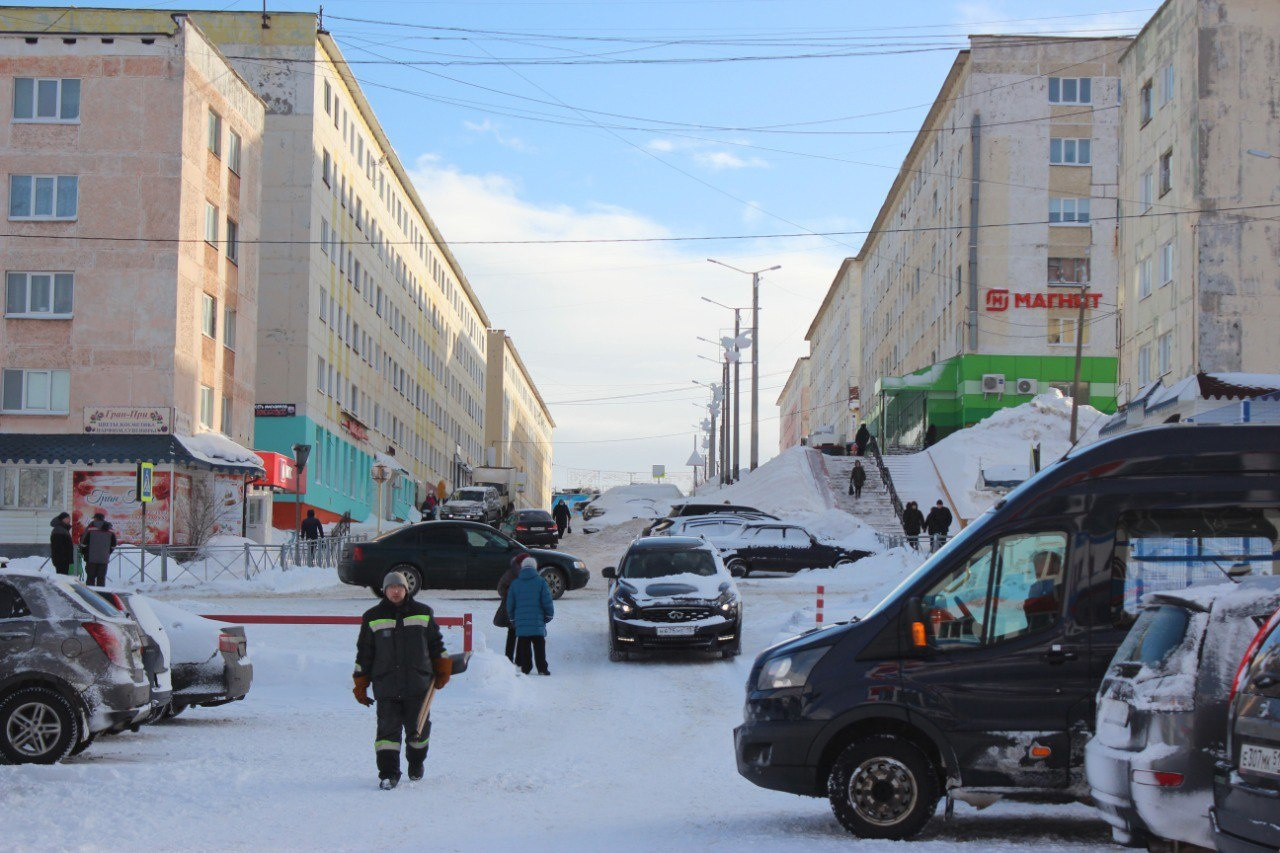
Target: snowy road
(635, 756)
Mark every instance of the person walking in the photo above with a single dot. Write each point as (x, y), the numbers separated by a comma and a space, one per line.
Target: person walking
(861, 438)
(912, 522)
(429, 506)
(502, 619)
(400, 653)
(530, 609)
(62, 551)
(937, 525)
(560, 512)
(312, 533)
(857, 478)
(96, 544)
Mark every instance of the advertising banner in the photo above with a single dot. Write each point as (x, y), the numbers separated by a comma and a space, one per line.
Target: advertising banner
(114, 494)
(128, 420)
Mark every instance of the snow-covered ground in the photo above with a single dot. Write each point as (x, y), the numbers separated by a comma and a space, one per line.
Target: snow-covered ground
(633, 756)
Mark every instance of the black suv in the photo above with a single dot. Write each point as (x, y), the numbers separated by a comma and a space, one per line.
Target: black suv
(775, 547)
(451, 555)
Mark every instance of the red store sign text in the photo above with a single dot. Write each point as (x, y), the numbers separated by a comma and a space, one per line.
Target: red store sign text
(1002, 300)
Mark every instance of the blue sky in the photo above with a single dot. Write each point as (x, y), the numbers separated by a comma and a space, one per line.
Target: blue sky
(600, 121)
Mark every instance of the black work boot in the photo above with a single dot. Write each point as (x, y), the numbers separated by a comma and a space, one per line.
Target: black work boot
(388, 768)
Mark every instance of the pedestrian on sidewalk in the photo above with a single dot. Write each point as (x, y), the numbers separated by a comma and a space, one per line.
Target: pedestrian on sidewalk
(857, 478)
(502, 618)
(96, 545)
(938, 525)
(912, 523)
(530, 609)
(62, 550)
(400, 653)
(861, 438)
(560, 512)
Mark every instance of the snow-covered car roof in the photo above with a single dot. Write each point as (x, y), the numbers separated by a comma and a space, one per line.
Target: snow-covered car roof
(1251, 596)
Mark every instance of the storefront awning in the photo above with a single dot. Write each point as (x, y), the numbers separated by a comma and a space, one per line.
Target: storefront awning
(200, 452)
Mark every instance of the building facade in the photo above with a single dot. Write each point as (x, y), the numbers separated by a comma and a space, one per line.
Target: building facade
(835, 340)
(133, 163)
(1197, 232)
(518, 424)
(793, 405)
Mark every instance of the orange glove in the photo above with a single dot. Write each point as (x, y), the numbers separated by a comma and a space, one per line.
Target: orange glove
(361, 690)
(443, 668)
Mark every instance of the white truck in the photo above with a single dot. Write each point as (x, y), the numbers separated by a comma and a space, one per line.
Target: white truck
(508, 481)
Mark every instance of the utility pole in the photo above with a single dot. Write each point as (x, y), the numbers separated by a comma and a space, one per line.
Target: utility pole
(725, 473)
(737, 397)
(755, 355)
(1075, 386)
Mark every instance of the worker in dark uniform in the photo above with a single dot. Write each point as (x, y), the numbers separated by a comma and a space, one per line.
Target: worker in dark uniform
(400, 653)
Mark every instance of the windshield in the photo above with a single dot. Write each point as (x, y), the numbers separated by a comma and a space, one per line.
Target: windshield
(961, 541)
(468, 495)
(661, 563)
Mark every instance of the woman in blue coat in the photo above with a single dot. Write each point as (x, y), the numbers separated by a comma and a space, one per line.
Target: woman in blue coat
(529, 608)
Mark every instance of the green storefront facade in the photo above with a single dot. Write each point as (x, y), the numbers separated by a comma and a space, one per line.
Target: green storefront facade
(950, 395)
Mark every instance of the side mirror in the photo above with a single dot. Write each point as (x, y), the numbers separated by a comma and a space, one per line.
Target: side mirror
(609, 572)
(914, 614)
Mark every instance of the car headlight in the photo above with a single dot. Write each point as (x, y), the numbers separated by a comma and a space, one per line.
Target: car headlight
(579, 564)
(789, 670)
(624, 608)
(727, 603)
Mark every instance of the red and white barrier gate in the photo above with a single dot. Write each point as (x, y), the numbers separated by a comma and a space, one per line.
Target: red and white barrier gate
(818, 612)
(463, 621)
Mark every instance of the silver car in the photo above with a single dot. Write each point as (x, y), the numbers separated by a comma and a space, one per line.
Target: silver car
(70, 668)
(1162, 710)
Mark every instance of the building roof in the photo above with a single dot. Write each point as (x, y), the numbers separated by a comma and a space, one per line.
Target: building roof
(830, 297)
(76, 448)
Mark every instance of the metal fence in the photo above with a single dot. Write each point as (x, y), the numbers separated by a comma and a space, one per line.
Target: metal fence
(165, 563)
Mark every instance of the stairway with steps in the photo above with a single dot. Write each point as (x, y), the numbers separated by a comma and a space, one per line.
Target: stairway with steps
(875, 507)
(915, 479)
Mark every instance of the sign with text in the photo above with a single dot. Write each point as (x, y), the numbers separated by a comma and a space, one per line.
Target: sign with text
(275, 410)
(128, 420)
(281, 473)
(1000, 299)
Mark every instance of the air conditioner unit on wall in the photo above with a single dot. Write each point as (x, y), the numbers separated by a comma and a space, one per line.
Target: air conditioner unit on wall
(1026, 386)
(993, 383)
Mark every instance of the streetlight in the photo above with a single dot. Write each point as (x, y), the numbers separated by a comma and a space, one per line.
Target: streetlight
(713, 410)
(739, 342)
(755, 354)
(301, 453)
(380, 474)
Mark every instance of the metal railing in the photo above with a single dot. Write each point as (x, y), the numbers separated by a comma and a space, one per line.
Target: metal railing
(206, 563)
(873, 447)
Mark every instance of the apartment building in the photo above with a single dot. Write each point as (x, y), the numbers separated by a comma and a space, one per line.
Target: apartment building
(132, 156)
(1198, 232)
(793, 404)
(835, 342)
(518, 424)
(997, 229)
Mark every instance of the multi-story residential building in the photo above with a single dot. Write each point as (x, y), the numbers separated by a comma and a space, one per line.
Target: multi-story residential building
(1198, 232)
(834, 359)
(793, 404)
(986, 247)
(518, 425)
(132, 170)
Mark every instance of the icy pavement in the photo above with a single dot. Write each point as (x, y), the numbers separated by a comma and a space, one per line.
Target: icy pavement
(633, 756)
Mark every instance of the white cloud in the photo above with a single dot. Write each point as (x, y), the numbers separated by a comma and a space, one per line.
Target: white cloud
(709, 155)
(727, 160)
(489, 128)
(662, 146)
(1003, 16)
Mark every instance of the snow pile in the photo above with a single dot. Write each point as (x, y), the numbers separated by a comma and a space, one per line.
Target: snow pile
(785, 485)
(1005, 439)
(639, 500)
(218, 450)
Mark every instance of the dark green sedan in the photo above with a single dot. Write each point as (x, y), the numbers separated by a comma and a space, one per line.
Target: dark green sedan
(451, 555)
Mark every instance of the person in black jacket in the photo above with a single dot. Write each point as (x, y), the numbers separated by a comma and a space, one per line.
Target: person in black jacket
(861, 438)
(96, 544)
(400, 653)
(912, 523)
(560, 512)
(61, 548)
(312, 532)
(857, 478)
(937, 525)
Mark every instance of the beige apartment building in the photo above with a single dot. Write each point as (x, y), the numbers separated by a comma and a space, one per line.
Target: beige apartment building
(1198, 235)
(835, 341)
(132, 172)
(518, 424)
(793, 405)
(998, 226)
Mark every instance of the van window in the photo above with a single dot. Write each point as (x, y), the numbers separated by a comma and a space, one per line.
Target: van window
(1175, 549)
(1004, 590)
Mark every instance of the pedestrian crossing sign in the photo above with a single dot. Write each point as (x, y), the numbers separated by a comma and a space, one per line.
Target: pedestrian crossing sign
(146, 472)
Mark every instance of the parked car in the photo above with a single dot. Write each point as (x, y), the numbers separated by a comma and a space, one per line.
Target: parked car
(156, 652)
(1246, 786)
(70, 668)
(686, 508)
(531, 527)
(977, 675)
(1162, 710)
(778, 547)
(451, 555)
(684, 525)
(474, 503)
(672, 592)
(211, 664)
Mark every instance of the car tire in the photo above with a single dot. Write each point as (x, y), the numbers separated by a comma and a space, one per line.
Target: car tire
(616, 655)
(733, 649)
(376, 590)
(739, 565)
(411, 575)
(842, 562)
(883, 787)
(37, 726)
(556, 581)
(83, 745)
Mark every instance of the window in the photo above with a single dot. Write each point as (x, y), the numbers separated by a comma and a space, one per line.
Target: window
(1166, 171)
(1144, 277)
(321, 376)
(326, 170)
(328, 98)
(36, 392)
(210, 223)
(215, 133)
(1068, 270)
(1062, 330)
(1146, 190)
(1069, 152)
(206, 407)
(1068, 211)
(1144, 103)
(1004, 590)
(1166, 263)
(209, 315)
(11, 604)
(233, 241)
(233, 151)
(1166, 89)
(32, 488)
(43, 196)
(324, 301)
(1164, 352)
(1144, 364)
(229, 328)
(1070, 90)
(38, 294)
(46, 100)
(324, 235)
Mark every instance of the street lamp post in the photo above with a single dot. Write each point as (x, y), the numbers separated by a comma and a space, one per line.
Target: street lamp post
(301, 452)
(755, 354)
(737, 376)
(380, 474)
(714, 410)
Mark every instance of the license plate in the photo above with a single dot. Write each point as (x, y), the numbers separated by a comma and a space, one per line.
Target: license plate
(675, 630)
(1260, 759)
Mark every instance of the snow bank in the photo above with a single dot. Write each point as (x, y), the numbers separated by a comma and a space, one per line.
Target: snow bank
(639, 500)
(785, 485)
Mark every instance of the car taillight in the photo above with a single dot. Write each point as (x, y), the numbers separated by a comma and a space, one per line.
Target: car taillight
(109, 640)
(114, 600)
(357, 553)
(1159, 778)
(522, 527)
(229, 643)
(1262, 634)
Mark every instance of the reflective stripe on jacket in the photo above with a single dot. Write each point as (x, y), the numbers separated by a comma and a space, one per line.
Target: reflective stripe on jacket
(396, 646)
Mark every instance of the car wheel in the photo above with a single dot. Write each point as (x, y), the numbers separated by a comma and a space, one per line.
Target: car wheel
(732, 650)
(37, 726)
(738, 567)
(376, 590)
(883, 787)
(841, 563)
(616, 654)
(411, 577)
(555, 581)
(82, 745)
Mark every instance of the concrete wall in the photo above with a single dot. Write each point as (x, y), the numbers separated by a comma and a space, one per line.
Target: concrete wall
(518, 426)
(835, 345)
